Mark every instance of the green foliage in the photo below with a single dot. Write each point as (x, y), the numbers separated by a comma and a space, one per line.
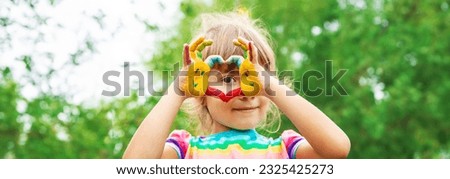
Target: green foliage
(395, 53)
(9, 126)
(394, 49)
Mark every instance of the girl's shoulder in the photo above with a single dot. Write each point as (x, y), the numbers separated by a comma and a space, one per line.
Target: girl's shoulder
(179, 134)
(179, 140)
(290, 135)
(291, 140)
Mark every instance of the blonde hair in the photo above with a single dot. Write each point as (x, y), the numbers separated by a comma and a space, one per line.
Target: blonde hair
(222, 29)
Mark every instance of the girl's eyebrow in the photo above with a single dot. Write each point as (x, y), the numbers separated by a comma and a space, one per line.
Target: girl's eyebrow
(214, 72)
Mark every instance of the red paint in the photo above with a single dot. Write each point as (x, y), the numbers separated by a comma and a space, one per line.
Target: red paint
(187, 59)
(224, 97)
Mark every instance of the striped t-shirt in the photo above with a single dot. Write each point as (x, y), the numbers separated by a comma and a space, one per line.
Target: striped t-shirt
(237, 144)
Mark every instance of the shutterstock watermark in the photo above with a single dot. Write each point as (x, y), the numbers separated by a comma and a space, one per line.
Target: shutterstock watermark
(313, 82)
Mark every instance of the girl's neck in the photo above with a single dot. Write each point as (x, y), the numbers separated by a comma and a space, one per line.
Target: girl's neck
(217, 127)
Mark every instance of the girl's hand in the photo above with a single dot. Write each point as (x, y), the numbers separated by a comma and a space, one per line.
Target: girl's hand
(193, 79)
(252, 78)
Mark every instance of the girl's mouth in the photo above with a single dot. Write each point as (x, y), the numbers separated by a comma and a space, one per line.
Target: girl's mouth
(245, 109)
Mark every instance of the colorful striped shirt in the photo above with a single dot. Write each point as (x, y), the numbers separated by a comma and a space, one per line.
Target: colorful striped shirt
(241, 144)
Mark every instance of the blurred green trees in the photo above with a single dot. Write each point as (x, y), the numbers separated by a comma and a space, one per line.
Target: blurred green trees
(396, 53)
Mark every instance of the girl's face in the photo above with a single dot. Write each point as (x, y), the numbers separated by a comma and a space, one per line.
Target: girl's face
(240, 112)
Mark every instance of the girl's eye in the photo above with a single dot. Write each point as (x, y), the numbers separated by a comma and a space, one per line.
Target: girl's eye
(229, 79)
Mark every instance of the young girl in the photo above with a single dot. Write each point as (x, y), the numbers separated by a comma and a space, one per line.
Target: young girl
(231, 125)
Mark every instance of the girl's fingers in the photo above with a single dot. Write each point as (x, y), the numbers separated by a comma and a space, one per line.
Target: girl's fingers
(247, 46)
(213, 59)
(194, 45)
(197, 46)
(251, 55)
(186, 56)
(204, 44)
(237, 43)
(243, 41)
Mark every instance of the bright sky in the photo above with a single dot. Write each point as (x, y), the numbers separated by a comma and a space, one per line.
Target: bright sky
(123, 38)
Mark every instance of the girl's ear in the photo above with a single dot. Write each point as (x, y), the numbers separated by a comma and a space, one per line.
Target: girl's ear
(186, 58)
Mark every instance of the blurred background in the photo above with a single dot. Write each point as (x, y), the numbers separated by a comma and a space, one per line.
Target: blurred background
(53, 54)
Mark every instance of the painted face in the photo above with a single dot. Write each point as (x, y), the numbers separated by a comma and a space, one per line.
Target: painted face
(242, 112)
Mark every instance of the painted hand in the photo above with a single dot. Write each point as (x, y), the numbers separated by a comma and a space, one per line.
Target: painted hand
(196, 83)
(249, 68)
